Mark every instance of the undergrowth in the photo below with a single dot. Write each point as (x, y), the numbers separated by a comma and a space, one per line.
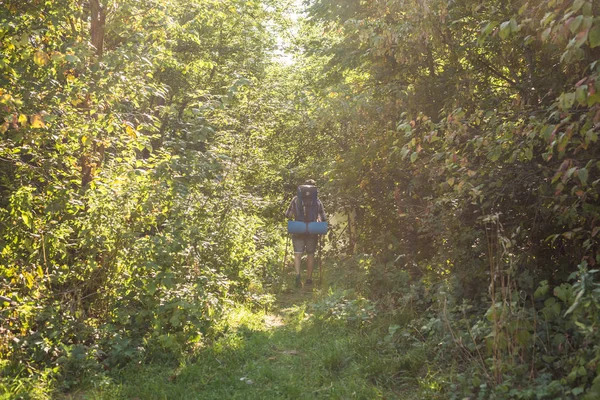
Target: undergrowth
(345, 340)
(542, 346)
(328, 342)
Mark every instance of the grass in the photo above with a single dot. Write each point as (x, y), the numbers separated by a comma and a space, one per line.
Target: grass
(297, 351)
(295, 360)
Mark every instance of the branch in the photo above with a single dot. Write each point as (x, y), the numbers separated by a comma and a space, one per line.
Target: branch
(8, 300)
(496, 72)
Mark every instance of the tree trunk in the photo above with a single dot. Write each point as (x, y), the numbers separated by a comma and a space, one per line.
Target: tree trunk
(98, 20)
(90, 161)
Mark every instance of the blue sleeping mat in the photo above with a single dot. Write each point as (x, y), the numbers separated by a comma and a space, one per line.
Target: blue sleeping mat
(314, 228)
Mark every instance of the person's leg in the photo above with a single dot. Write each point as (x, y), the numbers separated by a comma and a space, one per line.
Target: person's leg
(311, 248)
(299, 246)
(310, 262)
(297, 262)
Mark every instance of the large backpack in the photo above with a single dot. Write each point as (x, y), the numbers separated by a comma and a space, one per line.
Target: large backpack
(306, 203)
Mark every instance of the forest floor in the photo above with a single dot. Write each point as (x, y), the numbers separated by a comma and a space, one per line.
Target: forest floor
(285, 353)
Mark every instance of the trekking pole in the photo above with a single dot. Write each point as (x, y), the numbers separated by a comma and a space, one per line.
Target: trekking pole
(287, 242)
(320, 260)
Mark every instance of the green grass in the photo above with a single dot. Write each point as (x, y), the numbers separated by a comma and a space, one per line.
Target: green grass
(298, 350)
(289, 354)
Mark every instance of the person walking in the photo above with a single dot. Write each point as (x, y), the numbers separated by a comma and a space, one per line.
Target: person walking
(308, 208)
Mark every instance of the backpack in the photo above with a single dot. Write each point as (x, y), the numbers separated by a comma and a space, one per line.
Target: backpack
(306, 203)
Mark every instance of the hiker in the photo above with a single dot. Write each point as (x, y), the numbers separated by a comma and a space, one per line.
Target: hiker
(305, 242)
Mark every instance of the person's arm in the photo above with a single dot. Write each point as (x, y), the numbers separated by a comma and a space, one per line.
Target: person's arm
(322, 212)
(291, 211)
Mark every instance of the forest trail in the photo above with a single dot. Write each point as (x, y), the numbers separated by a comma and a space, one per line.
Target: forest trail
(148, 151)
(286, 353)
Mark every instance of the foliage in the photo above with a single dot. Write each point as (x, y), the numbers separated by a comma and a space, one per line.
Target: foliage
(125, 232)
(463, 136)
(341, 306)
(148, 149)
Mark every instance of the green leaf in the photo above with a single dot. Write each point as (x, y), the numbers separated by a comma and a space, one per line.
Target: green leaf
(556, 177)
(594, 36)
(542, 290)
(581, 94)
(71, 58)
(494, 155)
(591, 136)
(487, 29)
(548, 359)
(575, 23)
(561, 292)
(582, 174)
(546, 34)
(577, 5)
(567, 100)
(27, 219)
(593, 99)
(575, 303)
(175, 320)
(580, 39)
(414, 156)
(572, 375)
(546, 131)
(404, 152)
(587, 23)
(549, 17)
(577, 391)
(523, 337)
(505, 29)
(151, 287)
